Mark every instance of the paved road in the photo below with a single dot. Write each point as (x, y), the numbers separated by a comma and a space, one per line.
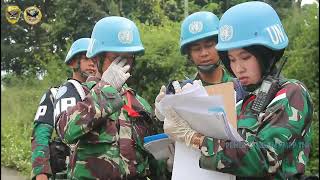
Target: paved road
(9, 174)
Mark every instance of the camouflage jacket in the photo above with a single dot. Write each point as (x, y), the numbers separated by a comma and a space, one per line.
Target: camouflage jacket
(109, 134)
(44, 126)
(277, 143)
(41, 135)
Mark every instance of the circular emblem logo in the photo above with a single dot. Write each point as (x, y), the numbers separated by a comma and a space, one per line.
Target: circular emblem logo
(13, 14)
(125, 37)
(32, 15)
(195, 27)
(226, 33)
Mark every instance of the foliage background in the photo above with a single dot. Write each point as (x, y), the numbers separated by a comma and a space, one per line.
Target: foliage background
(29, 51)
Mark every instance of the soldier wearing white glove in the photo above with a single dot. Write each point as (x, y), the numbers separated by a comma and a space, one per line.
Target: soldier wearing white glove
(161, 95)
(177, 128)
(117, 73)
(188, 86)
(171, 157)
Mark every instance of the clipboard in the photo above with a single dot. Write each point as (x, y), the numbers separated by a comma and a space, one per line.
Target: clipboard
(226, 90)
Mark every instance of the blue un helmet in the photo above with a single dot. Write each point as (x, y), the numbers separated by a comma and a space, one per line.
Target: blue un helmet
(251, 23)
(80, 45)
(114, 34)
(198, 26)
(256, 27)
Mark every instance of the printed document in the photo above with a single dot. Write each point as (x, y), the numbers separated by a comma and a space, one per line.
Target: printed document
(186, 166)
(205, 114)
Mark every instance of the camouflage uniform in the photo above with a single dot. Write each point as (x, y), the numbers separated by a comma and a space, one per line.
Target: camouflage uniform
(109, 135)
(41, 135)
(44, 128)
(67, 96)
(277, 143)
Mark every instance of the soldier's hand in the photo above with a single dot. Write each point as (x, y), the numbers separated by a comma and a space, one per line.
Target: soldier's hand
(177, 87)
(171, 157)
(177, 128)
(42, 177)
(189, 85)
(159, 97)
(117, 73)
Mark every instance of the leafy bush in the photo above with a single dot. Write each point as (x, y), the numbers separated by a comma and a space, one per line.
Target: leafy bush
(162, 60)
(19, 101)
(303, 54)
(17, 112)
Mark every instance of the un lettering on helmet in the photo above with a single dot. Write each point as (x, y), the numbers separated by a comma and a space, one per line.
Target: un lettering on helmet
(276, 34)
(251, 23)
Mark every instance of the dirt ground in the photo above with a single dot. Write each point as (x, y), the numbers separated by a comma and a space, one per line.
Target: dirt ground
(10, 174)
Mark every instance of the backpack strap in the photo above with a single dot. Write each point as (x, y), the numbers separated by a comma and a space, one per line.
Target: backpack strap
(54, 92)
(78, 87)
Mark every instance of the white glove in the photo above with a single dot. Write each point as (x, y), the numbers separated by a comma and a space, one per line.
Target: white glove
(177, 128)
(171, 157)
(177, 87)
(159, 97)
(117, 73)
(188, 85)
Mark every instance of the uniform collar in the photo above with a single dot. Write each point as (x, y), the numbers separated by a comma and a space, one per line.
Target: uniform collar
(226, 77)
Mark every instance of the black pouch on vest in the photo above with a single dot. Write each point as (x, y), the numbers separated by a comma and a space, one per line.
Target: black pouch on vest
(58, 154)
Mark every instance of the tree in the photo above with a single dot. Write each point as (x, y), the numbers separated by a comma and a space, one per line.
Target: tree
(162, 60)
(20, 41)
(302, 27)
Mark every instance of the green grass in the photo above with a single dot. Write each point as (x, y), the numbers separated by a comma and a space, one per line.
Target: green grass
(18, 107)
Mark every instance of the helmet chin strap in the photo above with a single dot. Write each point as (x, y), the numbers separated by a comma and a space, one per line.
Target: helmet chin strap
(100, 64)
(207, 69)
(83, 74)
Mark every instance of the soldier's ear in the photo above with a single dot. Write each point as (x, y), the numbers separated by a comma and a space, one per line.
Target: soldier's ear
(73, 63)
